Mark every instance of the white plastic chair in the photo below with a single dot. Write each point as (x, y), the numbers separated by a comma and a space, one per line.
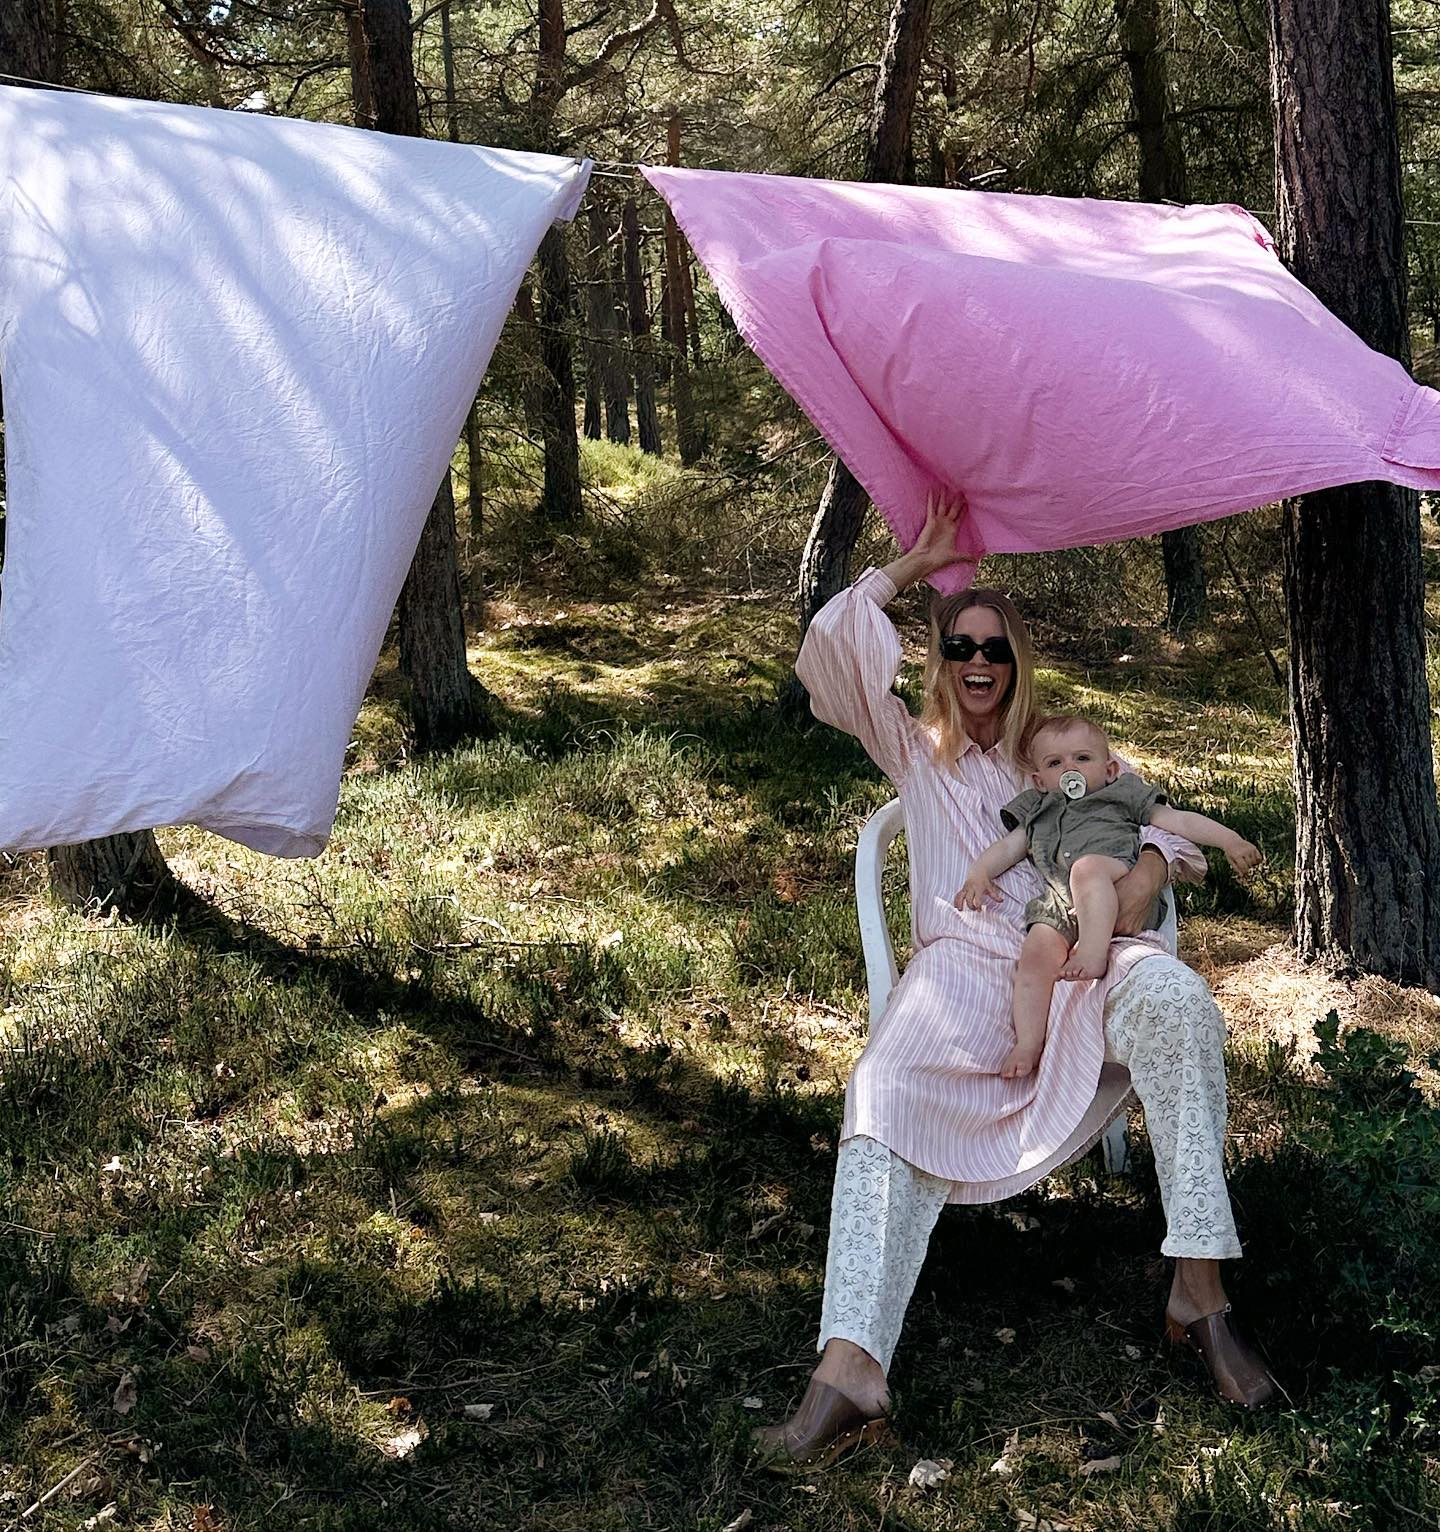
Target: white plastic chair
(881, 974)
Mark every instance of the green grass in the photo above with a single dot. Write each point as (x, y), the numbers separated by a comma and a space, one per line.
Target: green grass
(522, 1101)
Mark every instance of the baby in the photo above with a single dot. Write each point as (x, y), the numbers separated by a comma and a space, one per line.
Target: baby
(1080, 825)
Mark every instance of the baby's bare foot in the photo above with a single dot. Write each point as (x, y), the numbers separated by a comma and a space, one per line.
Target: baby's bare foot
(1086, 962)
(1020, 1060)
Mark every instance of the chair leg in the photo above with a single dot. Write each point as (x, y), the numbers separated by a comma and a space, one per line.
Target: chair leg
(1116, 1148)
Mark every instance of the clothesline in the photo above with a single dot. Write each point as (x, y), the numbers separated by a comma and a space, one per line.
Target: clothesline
(615, 170)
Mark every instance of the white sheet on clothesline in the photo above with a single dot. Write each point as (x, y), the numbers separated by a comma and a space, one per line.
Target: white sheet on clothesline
(236, 354)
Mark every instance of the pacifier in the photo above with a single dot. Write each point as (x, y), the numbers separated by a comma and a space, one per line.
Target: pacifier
(1072, 784)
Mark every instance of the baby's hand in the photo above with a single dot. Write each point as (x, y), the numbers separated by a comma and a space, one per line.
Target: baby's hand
(978, 888)
(1242, 856)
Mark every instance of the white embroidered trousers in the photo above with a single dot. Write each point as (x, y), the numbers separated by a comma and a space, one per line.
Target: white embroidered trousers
(1163, 1025)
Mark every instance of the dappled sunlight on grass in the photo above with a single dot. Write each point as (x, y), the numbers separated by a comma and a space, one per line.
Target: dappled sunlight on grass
(523, 1100)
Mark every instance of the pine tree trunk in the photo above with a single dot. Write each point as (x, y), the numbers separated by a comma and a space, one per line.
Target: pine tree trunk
(594, 417)
(447, 703)
(687, 430)
(614, 380)
(560, 503)
(597, 325)
(1162, 179)
(825, 564)
(363, 101)
(475, 512)
(123, 872)
(474, 483)
(647, 417)
(126, 873)
(1367, 822)
(532, 386)
(29, 44)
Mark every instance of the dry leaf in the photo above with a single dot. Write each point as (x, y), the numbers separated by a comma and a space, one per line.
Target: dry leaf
(87, 1486)
(751, 1402)
(207, 1519)
(1133, 1352)
(1025, 1222)
(102, 1518)
(1098, 1466)
(113, 1166)
(69, 1325)
(1004, 1465)
(487, 1218)
(403, 1444)
(1110, 1419)
(139, 1447)
(742, 1521)
(198, 1353)
(1030, 1522)
(123, 1400)
(132, 1290)
(478, 1411)
(613, 939)
(399, 1406)
(929, 1472)
(1006, 1337)
(1065, 1284)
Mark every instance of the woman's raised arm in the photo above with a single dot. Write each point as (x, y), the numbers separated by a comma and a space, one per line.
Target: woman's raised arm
(851, 652)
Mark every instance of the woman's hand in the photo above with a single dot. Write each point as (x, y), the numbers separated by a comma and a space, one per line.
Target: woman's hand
(935, 547)
(1136, 892)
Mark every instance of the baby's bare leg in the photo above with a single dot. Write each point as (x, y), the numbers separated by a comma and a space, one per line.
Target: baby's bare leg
(1041, 956)
(1092, 888)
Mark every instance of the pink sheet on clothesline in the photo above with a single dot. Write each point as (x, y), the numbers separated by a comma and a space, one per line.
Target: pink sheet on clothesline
(1081, 370)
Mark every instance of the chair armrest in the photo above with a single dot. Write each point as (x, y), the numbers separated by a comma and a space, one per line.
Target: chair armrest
(876, 838)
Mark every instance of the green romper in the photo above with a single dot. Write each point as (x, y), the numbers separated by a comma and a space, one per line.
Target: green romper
(1060, 830)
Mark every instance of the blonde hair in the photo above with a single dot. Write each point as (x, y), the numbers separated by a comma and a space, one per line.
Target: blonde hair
(1058, 723)
(943, 714)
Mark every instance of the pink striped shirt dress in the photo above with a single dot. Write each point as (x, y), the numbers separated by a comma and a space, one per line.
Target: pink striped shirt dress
(926, 1085)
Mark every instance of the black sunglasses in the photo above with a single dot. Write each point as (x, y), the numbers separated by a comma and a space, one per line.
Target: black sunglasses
(960, 646)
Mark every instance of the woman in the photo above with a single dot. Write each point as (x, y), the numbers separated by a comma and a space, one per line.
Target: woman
(928, 1119)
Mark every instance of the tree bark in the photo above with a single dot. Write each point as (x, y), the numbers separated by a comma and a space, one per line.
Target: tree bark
(560, 499)
(687, 430)
(475, 508)
(594, 324)
(825, 564)
(605, 326)
(359, 54)
(1162, 179)
(647, 417)
(1367, 822)
(446, 701)
(29, 42)
(123, 872)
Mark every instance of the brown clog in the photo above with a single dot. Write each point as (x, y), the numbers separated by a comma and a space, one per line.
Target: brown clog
(827, 1425)
(1239, 1374)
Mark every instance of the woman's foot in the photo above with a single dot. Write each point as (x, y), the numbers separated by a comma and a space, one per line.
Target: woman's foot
(827, 1425)
(1236, 1368)
(844, 1407)
(1198, 1315)
(855, 1373)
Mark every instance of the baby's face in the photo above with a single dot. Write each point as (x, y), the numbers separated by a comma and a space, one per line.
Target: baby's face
(1056, 751)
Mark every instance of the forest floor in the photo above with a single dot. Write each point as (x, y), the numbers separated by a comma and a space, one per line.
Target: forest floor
(476, 1174)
